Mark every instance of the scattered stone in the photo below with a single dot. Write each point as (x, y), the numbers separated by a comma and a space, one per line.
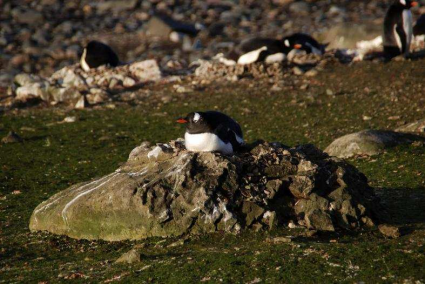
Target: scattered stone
(389, 231)
(168, 28)
(82, 103)
(132, 256)
(12, 137)
(147, 70)
(70, 119)
(415, 127)
(30, 17)
(278, 240)
(165, 190)
(300, 7)
(368, 142)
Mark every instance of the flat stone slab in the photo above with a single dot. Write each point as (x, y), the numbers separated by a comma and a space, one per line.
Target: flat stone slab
(168, 191)
(368, 142)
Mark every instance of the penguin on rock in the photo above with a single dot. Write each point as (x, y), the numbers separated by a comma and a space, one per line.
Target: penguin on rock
(96, 54)
(211, 131)
(398, 28)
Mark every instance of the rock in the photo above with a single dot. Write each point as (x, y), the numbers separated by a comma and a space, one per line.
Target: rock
(30, 17)
(34, 90)
(132, 256)
(82, 103)
(389, 231)
(165, 190)
(11, 137)
(347, 35)
(415, 127)
(319, 220)
(115, 6)
(147, 70)
(128, 82)
(166, 27)
(278, 240)
(299, 7)
(368, 142)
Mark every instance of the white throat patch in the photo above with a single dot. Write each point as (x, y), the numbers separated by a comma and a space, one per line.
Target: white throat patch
(287, 43)
(403, 2)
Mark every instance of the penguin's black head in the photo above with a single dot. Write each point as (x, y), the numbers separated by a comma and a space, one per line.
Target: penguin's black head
(405, 4)
(292, 42)
(196, 122)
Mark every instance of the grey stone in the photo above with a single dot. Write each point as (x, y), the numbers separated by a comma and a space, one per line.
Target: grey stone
(389, 231)
(11, 137)
(368, 142)
(147, 70)
(132, 256)
(115, 5)
(299, 7)
(30, 17)
(347, 35)
(415, 127)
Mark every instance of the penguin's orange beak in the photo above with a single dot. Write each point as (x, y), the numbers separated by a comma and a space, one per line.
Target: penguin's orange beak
(298, 46)
(414, 4)
(181, 121)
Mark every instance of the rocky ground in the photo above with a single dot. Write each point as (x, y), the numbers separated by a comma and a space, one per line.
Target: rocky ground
(48, 144)
(44, 35)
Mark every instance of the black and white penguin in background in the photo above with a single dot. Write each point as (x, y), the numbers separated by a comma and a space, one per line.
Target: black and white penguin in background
(211, 131)
(257, 50)
(304, 42)
(398, 30)
(96, 54)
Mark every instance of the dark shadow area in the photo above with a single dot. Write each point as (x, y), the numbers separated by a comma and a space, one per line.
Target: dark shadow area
(403, 205)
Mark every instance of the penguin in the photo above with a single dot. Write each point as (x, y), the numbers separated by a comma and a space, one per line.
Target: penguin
(398, 29)
(257, 50)
(96, 54)
(211, 131)
(419, 28)
(304, 42)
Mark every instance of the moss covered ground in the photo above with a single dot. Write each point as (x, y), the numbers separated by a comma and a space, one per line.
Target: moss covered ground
(340, 100)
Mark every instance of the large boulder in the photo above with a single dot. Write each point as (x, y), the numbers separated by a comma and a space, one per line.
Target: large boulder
(368, 142)
(168, 191)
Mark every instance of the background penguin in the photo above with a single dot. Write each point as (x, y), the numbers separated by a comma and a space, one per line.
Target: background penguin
(257, 50)
(211, 131)
(398, 29)
(96, 54)
(304, 42)
(419, 28)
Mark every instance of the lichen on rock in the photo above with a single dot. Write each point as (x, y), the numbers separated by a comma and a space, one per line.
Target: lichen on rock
(165, 190)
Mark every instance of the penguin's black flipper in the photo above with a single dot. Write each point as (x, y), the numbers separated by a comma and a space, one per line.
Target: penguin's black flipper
(402, 35)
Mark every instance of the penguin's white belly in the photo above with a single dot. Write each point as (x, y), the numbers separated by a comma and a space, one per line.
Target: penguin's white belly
(277, 57)
(206, 142)
(408, 28)
(250, 57)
